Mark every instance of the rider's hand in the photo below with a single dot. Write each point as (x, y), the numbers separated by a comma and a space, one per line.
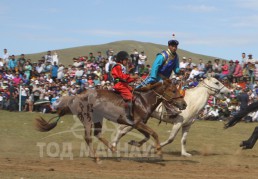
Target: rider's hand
(135, 76)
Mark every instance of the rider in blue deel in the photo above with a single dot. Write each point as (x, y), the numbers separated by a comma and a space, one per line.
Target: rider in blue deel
(165, 62)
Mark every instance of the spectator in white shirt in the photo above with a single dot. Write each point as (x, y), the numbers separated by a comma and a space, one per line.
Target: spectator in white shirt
(142, 60)
(55, 58)
(183, 64)
(195, 73)
(6, 56)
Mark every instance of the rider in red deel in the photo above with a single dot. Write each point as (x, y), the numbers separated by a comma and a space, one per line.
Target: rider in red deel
(122, 80)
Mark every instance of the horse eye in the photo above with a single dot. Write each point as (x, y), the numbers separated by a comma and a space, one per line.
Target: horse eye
(174, 91)
(217, 83)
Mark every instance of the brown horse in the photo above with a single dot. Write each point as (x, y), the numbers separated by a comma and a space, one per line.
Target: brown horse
(94, 105)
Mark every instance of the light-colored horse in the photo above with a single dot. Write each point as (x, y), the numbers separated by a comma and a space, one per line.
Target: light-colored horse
(196, 98)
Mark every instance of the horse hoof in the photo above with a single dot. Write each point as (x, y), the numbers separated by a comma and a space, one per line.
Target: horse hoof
(113, 149)
(134, 143)
(186, 154)
(241, 144)
(159, 153)
(98, 161)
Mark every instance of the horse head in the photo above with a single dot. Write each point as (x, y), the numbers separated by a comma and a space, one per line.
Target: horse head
(216, 88)
(170, 93)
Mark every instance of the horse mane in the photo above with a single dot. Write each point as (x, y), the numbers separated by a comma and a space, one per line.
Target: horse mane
(148, 87)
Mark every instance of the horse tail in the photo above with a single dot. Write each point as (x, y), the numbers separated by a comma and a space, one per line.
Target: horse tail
(44, 126)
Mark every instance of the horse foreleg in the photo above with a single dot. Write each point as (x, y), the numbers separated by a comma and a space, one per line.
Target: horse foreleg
(143, 127)
(122, 130)
(173, 134)
(88, 139)
(139, 144)
(248, 144)
(87, 123)
(185, 130)
(97, 133)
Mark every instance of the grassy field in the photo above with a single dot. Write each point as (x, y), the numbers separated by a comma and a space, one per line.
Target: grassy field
(216, 152)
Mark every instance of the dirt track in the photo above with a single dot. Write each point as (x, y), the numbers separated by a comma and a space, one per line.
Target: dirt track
(216, 154)
(172, 167)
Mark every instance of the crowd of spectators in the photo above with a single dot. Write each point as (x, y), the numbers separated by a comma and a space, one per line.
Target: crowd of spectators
(44, 81)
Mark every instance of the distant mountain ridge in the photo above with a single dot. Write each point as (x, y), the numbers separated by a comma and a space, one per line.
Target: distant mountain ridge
(150, 49)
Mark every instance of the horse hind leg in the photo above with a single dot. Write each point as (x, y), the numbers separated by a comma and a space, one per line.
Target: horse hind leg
(248, 144)
(122, 131)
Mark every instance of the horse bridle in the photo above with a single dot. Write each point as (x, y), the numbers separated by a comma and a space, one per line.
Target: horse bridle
(161, 96)
(217, 91)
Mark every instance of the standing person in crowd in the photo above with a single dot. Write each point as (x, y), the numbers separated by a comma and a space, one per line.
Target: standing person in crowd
(48, 57)
(122, 79)
(55, 58)
(60, 72)
(231, 69)
(251, 68)
(108, 67)
(238, 72)
(13, 105)
(201, 67)
(165, 63)
(243, 99)
(142, 60)
(6, 56)
(244, 59)
(111, 56)
(135, 60)
(21, 61)
(244, 65)
(99, 57)
(24, 94)
(54, 70)
(12, 64)
(27, 68)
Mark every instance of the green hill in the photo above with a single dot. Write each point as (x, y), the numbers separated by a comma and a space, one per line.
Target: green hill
(150, 49)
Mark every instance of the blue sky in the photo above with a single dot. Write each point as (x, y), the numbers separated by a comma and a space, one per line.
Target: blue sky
(222, 28)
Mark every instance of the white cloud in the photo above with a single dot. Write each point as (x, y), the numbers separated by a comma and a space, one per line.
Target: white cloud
(222, 40)
(196, 8)
(249, 4)
(46, 38)
(246, 21)
(51, 10)
(32, 26)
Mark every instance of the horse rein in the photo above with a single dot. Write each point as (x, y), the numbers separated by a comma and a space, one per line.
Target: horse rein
(217, 91)
(161, 96)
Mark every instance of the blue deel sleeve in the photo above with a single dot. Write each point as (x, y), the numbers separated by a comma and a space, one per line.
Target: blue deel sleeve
(177, 69)
(156, 66)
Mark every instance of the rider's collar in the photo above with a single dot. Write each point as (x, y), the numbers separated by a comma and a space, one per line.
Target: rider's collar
(170, 54)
